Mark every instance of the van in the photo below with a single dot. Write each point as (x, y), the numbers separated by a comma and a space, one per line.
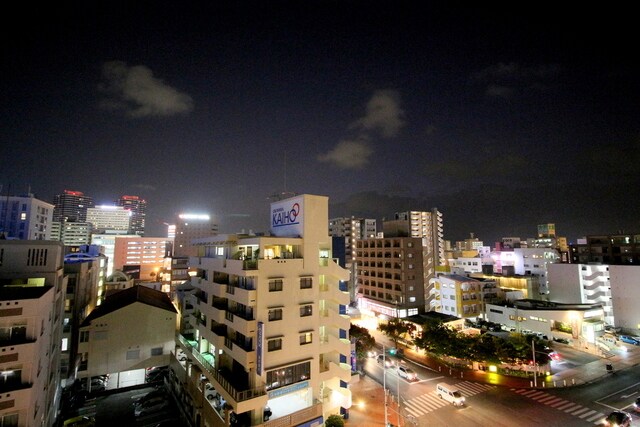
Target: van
(450, 394)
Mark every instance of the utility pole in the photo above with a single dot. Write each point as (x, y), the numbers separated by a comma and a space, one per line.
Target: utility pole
(384, 385)
(535, 367)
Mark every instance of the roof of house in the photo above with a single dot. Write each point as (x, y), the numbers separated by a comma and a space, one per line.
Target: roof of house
(129, 296)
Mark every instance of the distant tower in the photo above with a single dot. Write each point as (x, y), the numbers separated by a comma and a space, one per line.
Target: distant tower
(138, 208)
(189, 227)
(71, 206)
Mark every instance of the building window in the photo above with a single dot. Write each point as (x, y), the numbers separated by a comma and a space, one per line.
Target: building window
(289, 375)
(84, 336)
(306, 338)
(157, 351)
(274, 344)
(306, 310)
(133, 354)
(275, 314)
(305, 283)
(275, 285)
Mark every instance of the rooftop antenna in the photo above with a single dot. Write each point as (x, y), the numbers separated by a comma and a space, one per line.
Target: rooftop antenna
(284, 194)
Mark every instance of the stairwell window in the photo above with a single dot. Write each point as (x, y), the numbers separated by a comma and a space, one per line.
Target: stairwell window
(275, 285)
(274, 344)
(275, 314)
(306, 310)
(306, 282)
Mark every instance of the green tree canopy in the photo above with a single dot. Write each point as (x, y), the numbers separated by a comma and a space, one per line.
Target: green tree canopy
(394, 329)
(334, 421)
(363, 340)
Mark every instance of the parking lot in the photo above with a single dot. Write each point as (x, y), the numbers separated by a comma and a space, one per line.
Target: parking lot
(117, 408)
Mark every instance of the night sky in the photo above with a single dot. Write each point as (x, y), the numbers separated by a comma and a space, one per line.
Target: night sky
(503, 117)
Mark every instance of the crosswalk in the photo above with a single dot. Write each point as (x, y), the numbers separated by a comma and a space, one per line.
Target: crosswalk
(429, 402)
(566, 406)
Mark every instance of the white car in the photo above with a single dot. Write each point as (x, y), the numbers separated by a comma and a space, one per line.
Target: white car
(407, 373)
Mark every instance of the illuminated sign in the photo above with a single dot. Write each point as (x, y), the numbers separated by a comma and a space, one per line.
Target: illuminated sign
(287, 217)
(259, 349)
(282, 216)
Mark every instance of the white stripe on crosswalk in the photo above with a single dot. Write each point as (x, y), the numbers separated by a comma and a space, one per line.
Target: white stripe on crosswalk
(565, 406)
(558, 403)
(572, 407)
(579, 411)
(597, 417)
(547, 399)
(586, 414)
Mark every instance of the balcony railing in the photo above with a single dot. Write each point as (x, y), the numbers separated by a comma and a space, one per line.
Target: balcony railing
(236, 395)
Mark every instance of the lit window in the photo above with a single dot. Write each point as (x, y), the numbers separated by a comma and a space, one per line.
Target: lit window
(306, 338)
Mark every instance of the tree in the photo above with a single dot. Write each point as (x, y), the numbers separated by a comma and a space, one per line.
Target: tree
(394, 329)
(363, 340)
(334, 421)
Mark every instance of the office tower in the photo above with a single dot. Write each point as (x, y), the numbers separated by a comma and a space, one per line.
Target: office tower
(72, 233)
(141, 257)
(71, 206)
(138, 208)
(32, 291)
(25, 218)
(268, 329)
(109, 219)
(188, 227)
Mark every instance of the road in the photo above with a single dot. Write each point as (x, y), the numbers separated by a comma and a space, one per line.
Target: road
(488, 404)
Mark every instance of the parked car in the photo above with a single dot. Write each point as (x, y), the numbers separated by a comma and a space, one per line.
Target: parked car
(151, 406)
(629, 339)
(158, 392)
(81, 421)
(156, 373)
(636, 405)
(618, 419)
(407, 373)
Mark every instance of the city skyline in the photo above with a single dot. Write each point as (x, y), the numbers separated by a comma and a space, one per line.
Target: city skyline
(498, 118)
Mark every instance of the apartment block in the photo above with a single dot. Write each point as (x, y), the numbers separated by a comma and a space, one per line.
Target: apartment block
(32, 289)
(268, 327)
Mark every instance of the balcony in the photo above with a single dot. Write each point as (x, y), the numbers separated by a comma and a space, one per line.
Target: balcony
(242, 399)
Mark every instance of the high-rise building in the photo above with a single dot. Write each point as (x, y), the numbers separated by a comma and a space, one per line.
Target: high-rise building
(352, 229)
(32, 291)
(270, 332)
(71, 206)
(138, 208)
(391, 276)
(428, 226)
(189, 227)
(109, 219)
(25, 218)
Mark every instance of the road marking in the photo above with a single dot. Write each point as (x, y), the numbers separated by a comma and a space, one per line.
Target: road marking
(573, 407)
(579, 411)
(599, 416)
(558, 403)
(563, 407)
(587, 414)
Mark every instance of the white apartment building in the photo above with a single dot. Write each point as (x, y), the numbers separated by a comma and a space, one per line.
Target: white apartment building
(25, 218)
(32, 289)
(269, 329)
(535, 261)
(615, 287)
(111, 219)
(466, 265)
(461, 296)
